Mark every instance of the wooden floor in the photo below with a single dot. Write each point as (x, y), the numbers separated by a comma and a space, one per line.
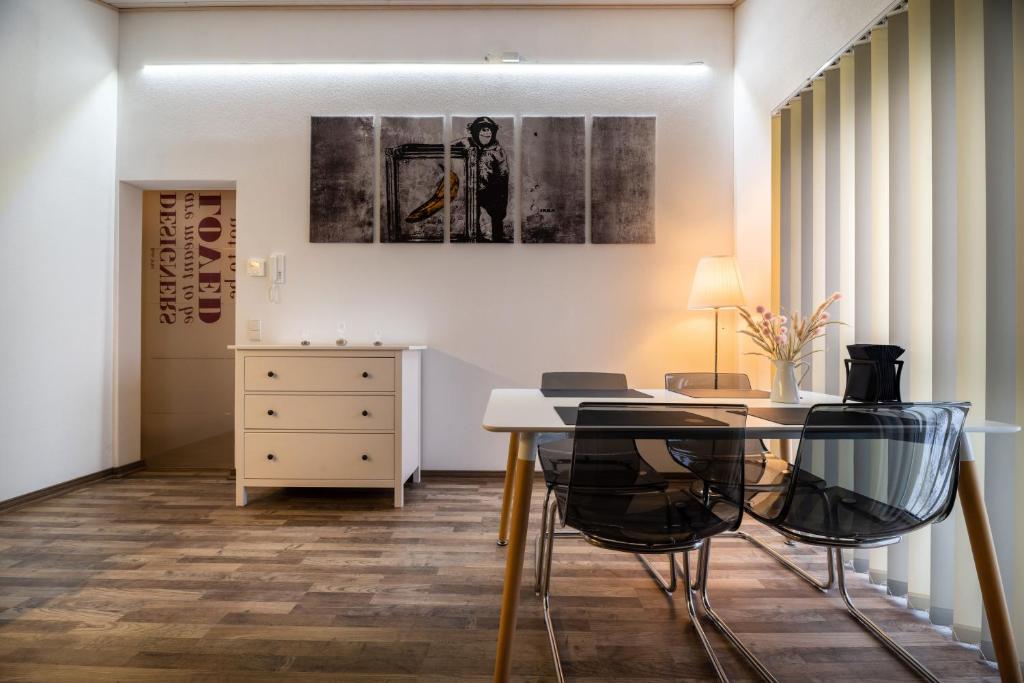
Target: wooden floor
(158, 577)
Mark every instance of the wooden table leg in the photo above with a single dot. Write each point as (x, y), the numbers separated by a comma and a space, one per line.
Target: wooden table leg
(972, 501)
(506, 496)
(786, 450)
(521, 491)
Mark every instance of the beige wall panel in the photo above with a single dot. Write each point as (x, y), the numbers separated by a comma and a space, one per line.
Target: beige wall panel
(188, 439)
(188, 281)
(188, 317)
(189, 385)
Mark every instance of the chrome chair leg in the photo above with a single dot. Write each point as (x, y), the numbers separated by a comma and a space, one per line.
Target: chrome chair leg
(788, 564)
(669, 587)
(545, 529)
(702, 578)
(546, 588)
(904, 656)
(691, 608)
(538, 563)
(549, 546)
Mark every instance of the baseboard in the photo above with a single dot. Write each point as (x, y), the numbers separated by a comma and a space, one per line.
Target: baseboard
(967, 634)
(920, 601)
(486, 474)
(71, 485)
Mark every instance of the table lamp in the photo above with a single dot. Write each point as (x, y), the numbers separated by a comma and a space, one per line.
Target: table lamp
(716, 285)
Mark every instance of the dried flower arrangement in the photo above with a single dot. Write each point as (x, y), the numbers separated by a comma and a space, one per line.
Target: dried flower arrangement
(786, 338)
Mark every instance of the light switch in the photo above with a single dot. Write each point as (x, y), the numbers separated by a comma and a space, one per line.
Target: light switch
(256, 267)
(255, 328)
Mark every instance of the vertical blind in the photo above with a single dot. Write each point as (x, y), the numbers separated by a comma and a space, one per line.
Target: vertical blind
(898, 179)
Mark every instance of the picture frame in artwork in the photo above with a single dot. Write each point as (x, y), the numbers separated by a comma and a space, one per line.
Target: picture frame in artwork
(413, 179)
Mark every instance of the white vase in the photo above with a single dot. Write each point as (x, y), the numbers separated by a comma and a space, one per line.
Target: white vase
(785, 385)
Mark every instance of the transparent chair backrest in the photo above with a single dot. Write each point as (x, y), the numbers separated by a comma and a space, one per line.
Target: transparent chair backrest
(674, 381)
(608, 435)
(873, 471)
(590, 381)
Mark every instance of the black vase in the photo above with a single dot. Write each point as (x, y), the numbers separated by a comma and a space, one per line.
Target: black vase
(873, 373)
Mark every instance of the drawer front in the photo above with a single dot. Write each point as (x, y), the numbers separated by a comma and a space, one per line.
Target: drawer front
(319, 456)
(285, 411)
(319, 373)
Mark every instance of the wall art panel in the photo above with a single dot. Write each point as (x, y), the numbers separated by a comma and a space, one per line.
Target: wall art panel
(553, 191)
(341, 177)
(413, 179)
(622, 179)
(481, 155)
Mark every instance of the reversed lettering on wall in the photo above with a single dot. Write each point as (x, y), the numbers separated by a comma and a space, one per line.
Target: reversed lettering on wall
(192, 253)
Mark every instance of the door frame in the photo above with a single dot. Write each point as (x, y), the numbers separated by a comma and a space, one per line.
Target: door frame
(126, 365)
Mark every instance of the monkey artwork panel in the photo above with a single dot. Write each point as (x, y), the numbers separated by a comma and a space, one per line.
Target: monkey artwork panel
(481, 155)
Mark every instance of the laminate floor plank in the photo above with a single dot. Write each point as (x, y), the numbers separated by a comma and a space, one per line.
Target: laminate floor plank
(159, 577)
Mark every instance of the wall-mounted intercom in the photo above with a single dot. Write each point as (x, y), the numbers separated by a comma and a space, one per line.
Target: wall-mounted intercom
(277, 268)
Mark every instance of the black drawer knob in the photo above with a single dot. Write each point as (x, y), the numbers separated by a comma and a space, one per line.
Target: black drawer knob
(365, 413)
(365, 456)
(270, 456)
(365, 374)
(270, 412)
(271, 374)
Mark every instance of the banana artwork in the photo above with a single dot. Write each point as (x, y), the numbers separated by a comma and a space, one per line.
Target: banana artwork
(436, 201)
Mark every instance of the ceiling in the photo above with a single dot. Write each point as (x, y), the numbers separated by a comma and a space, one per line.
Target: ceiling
(178, 4)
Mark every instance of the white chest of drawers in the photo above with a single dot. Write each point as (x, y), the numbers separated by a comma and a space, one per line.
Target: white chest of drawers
(326, 416)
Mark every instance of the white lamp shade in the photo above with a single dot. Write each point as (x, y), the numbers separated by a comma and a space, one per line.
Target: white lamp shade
(716, 284)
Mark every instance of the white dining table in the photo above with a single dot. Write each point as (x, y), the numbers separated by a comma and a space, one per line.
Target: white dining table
(525, 413)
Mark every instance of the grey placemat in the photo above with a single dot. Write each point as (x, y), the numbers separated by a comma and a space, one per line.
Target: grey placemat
(594, 393)
(782, 416)
(724, 393)
(567, 413)
(568, 416)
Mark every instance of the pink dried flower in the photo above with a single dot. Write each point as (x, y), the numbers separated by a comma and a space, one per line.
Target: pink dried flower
(785, 337)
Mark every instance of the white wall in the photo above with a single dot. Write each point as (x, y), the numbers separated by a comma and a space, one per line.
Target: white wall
(128, 326)
(58, 117)
(493, 315)
(779, 44)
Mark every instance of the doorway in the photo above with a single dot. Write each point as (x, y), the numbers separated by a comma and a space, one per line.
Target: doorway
(188, 320)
